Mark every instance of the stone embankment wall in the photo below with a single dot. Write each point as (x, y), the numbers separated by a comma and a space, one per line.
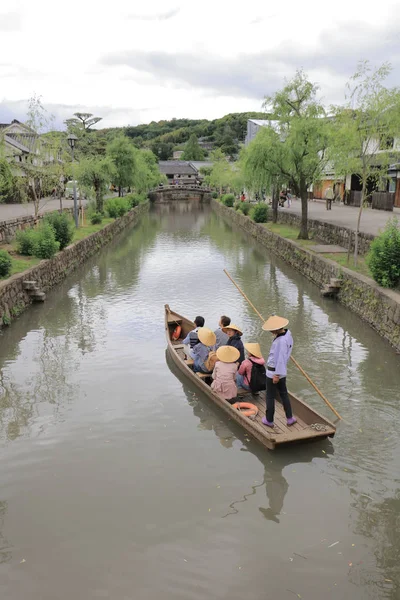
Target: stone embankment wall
(9, 228)
(329, 233)
(48, 273)
(377, 306)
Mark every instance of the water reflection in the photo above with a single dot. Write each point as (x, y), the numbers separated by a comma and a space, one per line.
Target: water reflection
(273, 462)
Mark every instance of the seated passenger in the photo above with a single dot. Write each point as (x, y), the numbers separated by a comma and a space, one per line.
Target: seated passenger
(243, 377)
(224, 373)
(222, 338)
(201, 350)
(235, 334)
(192, 338)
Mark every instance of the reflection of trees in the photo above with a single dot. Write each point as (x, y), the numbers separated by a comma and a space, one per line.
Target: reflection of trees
(5, 553)
(70, 323)
(276, 486)
(381, 523)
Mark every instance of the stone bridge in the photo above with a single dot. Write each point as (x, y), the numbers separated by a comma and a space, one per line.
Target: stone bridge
(183, 193)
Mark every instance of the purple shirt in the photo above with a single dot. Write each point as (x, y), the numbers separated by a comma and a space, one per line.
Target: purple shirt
(279, 354)
(200, 354)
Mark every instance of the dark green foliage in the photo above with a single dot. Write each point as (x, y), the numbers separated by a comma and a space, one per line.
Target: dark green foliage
(46, 245)
(63, 227)
(135, 199)
(260, 213)
(228, 200)
(26, 240)
(192, 149)
(6, 181)
(214, 195)
(5, 263)
(117, 207)
(96, 218)
(40, 242)
(245, 207)
(384, 256)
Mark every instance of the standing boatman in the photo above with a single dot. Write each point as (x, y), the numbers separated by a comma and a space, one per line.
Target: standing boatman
(279, 354)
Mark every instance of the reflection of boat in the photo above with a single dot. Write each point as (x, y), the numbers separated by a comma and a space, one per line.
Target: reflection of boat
(276, 485)
(310, 424)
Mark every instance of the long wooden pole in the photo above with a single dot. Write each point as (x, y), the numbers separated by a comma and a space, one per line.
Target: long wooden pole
(291, 357)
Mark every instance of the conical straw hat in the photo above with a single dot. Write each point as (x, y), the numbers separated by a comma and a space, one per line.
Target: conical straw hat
(254, 349)
(206, 336)
(228, 354)
(274, 323)
(234, 327)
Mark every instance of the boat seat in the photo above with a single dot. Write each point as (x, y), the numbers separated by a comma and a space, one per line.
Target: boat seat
(178, 346)
(172, 320)
(189, 362)
(203, 375)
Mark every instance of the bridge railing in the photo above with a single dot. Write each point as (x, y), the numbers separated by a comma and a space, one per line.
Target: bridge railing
(185, 188)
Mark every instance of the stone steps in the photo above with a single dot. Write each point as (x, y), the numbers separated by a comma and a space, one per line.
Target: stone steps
(34, 291)
(331, 289)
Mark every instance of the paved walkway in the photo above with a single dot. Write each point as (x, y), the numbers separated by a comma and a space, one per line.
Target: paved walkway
(372, 221)
(10, 211)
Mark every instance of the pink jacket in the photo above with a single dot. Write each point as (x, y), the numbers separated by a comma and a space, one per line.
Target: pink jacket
(245, 367)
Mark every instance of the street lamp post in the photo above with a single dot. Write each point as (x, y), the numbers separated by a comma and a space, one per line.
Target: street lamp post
(71, 141)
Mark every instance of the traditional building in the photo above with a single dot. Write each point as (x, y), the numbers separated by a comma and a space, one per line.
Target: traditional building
(179, 172)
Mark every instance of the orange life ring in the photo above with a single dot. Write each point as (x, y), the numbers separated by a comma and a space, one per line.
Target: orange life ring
(250, 410)
(177, 333)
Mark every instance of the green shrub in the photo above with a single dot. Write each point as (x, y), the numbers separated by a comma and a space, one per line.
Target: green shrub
(135, 199)
(384, 256)
(245, 207)
(214, 195)
(5, 263)
(26, 240)
(63, 227)
(46, 244)
(228, 200)
(117, 207)
(259, 213)
(96, 218)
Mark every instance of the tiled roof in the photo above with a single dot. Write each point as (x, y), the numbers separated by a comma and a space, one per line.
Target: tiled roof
(177, 167)
(14, 142)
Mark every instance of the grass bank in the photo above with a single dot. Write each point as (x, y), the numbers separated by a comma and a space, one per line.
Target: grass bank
(290, 232)
(20, 262)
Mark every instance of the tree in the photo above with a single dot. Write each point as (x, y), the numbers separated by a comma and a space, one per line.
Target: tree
(192, 149)
(364, 131)
(83, 121)
(41, 169)
(261, 164)
(123, 155)
(163, 150)
(302, 138)
(97, 174)
(147, 174)
(6, 181)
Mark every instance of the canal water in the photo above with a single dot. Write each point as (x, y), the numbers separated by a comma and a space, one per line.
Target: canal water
(119, 480)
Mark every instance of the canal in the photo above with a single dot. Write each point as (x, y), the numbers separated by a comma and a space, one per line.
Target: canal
(118, 480)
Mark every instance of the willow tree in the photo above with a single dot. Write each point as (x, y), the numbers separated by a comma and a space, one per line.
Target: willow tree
(364, 132)
(262, 162)
(123, 153)
(301, 139)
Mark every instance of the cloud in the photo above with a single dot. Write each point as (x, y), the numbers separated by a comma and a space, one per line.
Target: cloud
(165, 16)
(111, 116)
(10, 21)
(333, 57)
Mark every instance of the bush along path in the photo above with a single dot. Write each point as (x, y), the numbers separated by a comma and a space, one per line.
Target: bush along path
(14, 296)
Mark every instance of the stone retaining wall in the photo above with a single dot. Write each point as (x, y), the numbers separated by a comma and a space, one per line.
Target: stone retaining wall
(377, 306)
(9, 228)
(329, 233)
(48, 273)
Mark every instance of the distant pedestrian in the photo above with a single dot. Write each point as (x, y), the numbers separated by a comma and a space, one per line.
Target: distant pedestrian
(329, 198)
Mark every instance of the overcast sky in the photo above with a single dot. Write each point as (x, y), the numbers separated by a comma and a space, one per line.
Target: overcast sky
(132, 62)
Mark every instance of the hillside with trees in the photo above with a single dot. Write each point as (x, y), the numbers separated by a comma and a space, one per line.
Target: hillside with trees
(163, 137)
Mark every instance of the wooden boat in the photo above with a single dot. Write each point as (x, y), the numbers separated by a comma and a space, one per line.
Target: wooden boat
(310, 424)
